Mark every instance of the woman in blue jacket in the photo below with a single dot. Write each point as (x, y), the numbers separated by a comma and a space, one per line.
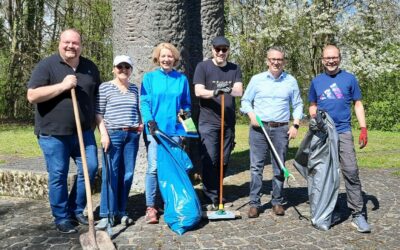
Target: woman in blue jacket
(164, 93)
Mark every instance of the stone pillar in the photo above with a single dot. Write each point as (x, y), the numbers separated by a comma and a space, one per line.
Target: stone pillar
(139, 25)
(212, 17)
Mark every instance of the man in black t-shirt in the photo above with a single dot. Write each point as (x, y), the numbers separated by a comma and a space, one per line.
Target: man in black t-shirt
(213, 78)
(49, 88)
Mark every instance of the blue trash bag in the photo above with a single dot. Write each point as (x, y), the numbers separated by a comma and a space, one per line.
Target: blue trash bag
(182, 209)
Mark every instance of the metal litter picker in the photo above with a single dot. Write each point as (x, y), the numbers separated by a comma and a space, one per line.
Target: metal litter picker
(107, 161)
(91, 239)
(222, 214)
(286, 172)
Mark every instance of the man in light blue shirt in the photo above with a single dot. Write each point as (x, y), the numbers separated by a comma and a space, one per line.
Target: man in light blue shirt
(269, 96)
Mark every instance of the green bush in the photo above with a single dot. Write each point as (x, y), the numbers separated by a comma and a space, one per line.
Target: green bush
(382, 103)
(384, 115)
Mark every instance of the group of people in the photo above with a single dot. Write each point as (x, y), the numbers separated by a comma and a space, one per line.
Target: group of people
(121, 112)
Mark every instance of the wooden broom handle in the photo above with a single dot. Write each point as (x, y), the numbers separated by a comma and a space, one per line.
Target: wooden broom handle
(221, 168)
(84, 163)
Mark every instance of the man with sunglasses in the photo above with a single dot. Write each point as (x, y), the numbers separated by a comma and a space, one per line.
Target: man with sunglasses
(333, 91)
(49, 88)
(269, 95)
(213, 78)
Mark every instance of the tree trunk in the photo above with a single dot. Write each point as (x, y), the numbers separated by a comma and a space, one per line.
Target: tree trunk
(25, 22)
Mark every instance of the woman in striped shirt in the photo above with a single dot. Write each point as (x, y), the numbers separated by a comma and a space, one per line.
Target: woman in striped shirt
(119, 123)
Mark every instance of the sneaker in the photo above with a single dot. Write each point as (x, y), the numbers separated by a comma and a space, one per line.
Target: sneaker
(361, 224)
(151, 215)
(210, 207)
(102, 224)
(126, 221)
(66, 227)
(81, 219)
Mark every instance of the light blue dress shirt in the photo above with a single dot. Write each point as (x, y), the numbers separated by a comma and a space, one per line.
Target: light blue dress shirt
(270, 98)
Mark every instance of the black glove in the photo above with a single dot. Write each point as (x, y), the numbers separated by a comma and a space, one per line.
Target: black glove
(223, 87)
(152, 127)
(184, 115)
(317, 123)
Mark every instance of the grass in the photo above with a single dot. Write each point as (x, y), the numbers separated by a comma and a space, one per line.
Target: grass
(18, 141)
(382, 151)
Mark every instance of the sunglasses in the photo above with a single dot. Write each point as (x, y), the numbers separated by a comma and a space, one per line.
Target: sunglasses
(224, 50)
(123, 65)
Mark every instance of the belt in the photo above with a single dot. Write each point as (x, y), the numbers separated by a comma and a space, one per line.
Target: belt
(129, 129)
(276, 124)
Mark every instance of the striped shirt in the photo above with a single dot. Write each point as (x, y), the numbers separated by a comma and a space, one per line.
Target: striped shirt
(119, 110)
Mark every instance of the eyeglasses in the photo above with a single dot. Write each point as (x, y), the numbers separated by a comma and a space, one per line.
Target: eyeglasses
(123, 65)
(334, 58)
(279, 60)
(224, 50)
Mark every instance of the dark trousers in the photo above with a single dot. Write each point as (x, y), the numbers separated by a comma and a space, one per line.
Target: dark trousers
(210, 155)
(349, 168)
(259, 150)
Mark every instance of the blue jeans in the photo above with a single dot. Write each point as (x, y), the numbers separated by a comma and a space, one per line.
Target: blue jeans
(57, 151)
(121, 165)
(151, 182)
(259, 148)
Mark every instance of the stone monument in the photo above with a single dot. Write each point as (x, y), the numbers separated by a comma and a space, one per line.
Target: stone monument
(139, 25)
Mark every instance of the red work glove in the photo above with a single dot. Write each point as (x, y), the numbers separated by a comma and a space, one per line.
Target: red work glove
(363, 139)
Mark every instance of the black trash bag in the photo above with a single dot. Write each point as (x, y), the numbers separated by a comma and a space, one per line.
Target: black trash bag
(317, 160)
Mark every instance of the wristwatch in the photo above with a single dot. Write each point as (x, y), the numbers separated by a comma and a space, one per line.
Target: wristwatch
(296, 126)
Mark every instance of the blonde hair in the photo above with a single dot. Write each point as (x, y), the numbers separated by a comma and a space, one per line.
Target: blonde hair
(156, 53)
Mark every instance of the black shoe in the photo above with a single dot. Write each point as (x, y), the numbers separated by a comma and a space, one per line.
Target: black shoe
(66, 227)
(81, 219)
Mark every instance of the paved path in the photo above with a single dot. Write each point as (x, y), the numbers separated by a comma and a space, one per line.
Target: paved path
(26, 224)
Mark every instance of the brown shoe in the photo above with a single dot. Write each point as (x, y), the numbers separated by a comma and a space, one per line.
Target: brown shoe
(278, 210)
(253, 212)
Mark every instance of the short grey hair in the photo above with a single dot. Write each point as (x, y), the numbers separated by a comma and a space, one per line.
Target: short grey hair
(277, 48)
